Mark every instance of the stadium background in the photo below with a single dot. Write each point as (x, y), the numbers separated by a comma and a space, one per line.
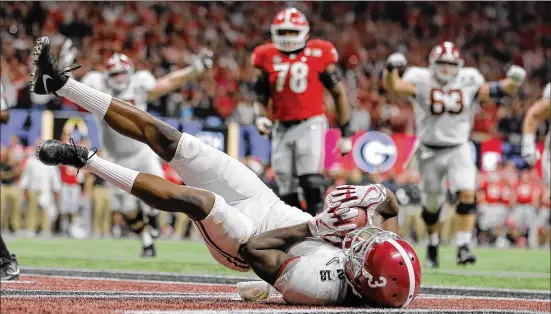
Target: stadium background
(160, 38)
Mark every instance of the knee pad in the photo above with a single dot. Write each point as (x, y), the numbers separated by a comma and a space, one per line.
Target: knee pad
(430, 218)
(313, 187)
(135, 221)
(465, 209)
(291, 200)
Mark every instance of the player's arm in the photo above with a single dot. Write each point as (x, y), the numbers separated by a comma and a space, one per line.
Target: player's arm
(537, 113)
(173, 80)
(333, 83)
(4, 113)
(262, 92)
(505, 87)
(392, 82)
(266, 253)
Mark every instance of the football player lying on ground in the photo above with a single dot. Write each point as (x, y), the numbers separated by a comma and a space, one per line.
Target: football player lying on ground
(230, 204)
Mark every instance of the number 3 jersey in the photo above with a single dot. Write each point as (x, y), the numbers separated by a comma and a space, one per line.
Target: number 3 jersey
(314, 275)
(444, 114)
(295, 86)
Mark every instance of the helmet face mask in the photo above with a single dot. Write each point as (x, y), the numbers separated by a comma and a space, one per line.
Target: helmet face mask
(119, 70)
(290, 30)
(445, 62)
(381, 268)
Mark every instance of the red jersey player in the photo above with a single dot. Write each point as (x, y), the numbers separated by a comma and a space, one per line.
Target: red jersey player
(293, 71)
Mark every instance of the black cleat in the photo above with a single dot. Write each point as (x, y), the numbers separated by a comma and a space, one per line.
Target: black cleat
(432, 257)
(465, 255)
(54, 153)
(149, 251)
(47, 77)
(9, 269)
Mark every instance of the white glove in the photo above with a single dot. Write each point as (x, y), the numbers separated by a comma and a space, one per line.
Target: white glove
(397, 60)
(332, 222)
(528, 150)
(516, 74)
(367, 197)
(263, 125)
(202, 61)
(345, 145)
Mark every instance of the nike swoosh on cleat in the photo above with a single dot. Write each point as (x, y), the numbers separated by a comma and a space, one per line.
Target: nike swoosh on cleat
(45, 77)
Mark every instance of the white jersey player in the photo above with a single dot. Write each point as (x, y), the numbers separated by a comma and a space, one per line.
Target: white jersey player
(137, 88)
(244, 224)
(537, 113)
(445, 98)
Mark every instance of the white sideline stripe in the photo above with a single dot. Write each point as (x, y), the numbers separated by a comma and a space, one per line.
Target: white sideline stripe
(409, 267)
(14, 282)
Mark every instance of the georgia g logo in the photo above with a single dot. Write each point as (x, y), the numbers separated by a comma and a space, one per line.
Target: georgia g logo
(374, 152)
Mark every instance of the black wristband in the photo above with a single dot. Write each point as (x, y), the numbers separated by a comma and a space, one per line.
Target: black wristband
(345, 129)
(389, 67)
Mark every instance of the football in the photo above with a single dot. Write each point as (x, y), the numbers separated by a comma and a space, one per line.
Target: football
(360, 220)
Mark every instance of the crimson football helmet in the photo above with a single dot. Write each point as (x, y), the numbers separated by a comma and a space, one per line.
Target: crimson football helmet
(381, 267)
(445, 61)
(119, 69)
(290, 19)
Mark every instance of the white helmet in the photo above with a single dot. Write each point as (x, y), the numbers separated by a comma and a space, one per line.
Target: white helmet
(290, 19)
(445, 61)
(119, 69)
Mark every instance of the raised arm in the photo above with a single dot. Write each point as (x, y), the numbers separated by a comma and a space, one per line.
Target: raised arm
(392, 82)
(505, 87)
(173, 80)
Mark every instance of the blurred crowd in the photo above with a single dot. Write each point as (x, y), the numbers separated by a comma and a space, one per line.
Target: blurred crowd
(160, 37)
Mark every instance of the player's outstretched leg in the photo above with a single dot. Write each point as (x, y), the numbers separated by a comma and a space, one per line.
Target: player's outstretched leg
(223, 227)
(124, 118)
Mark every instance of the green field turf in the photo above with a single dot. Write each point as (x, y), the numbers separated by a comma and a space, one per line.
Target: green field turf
(495, 267)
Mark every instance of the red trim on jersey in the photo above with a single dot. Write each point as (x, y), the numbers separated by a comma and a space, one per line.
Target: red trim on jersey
(287, 262)
(232, 259)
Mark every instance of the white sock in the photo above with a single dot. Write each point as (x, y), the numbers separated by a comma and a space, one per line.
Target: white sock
(434, 238)
(89, 98)
(463, 237)
(118, 175)
(147, 240)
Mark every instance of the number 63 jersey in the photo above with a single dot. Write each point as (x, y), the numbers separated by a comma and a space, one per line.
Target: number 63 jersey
(295, 86)
(444, 113)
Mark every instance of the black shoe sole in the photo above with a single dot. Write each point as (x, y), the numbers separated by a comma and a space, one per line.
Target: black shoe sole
(37, 51)
(470, 260)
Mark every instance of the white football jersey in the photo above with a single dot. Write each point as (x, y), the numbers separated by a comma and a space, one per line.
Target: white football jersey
(317, 276)
(444, 114)
(142, 82)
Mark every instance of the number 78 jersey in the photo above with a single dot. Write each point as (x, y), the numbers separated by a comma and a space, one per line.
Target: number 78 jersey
(295, 86)
(444, 114)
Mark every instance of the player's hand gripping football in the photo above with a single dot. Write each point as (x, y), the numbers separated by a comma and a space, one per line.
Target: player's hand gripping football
(334, 223)
(263, 125)
(202, 61)
(366, 197)
(528, 150)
